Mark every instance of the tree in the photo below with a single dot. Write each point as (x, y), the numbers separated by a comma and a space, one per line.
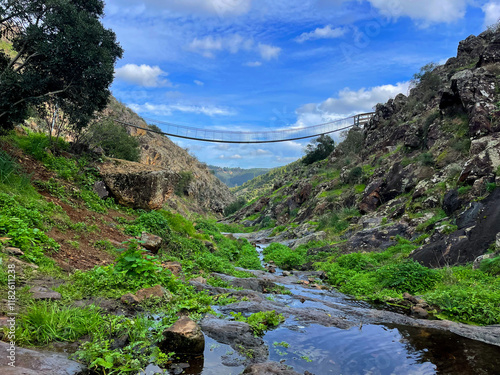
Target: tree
(63, 54)
(114, 140)
(319, 149)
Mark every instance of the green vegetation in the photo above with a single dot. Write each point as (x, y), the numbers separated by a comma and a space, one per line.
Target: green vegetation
(235, 206)
(260, 322)
(318, 149)
(233, 177)
(181, 188)
(77, 82)
(113, 139)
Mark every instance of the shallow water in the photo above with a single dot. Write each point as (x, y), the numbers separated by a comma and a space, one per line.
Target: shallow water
(365, 349)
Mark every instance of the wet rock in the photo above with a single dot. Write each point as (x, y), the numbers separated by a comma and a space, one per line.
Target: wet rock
(238, 335)
(269, 368)
(156, 291)
(137, 185)
(100, 189)
(13, 251)
(184, 337)
(43, 293)
(419, 312)
(151, 242)
(32, 362)
(174, 267)
(250, 283)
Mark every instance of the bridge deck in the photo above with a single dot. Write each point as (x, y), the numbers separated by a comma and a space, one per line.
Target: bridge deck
(226, 136)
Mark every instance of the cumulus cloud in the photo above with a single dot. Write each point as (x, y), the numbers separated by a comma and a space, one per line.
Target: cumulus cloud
(492, 13)
(326, 32)
(235, 43)
(142, 75)
(268, 52)
(167, 109)
(347, 102)
(209, 45)
(198, 83)
(423, 11)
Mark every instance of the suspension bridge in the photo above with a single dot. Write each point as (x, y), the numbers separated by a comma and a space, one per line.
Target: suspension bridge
(227, 136)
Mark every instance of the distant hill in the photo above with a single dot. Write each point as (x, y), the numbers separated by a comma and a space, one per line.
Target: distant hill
(236, 176)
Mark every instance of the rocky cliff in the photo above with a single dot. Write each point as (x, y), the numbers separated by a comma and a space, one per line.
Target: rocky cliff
(196, 181)
(425, 168)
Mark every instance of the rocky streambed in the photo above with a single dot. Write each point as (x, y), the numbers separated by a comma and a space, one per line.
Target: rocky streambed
(324, 332)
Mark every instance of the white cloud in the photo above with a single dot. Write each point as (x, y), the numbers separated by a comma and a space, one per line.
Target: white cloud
(236, 156)
(424, 11)
(210, 44)
(142, 75)
(348, 102)
(253, 64)
(220, 8)
(167, 109)
(363, 100)
(268, 52)
(492, 13)
(326, 32)
(235, 43)
(198, 83)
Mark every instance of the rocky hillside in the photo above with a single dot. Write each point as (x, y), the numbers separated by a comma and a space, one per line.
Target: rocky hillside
(426, 168)
(195, 180)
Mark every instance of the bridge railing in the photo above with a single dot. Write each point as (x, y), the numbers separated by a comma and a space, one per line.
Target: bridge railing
(270, 136)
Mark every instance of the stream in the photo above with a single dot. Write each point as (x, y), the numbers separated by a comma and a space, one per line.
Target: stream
(326, 332)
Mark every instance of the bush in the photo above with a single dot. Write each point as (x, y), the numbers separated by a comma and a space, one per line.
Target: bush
(318, 149)
(408, 276)
(8, 167)
(354, 175)
(184, 181)
(284, 257)
(235, 206)
(114, 140)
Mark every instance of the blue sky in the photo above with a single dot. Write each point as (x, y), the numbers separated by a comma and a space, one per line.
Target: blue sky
(255, 65)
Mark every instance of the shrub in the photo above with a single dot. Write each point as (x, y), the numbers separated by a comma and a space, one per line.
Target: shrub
(318, 149)
(284, 257)
(185, 179)
(408, 276)
(114, 140)
(235, 206)
(354, 175)
(8, 167)
(426, 159)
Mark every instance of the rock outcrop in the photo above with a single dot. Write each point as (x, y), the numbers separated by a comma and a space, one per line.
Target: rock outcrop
(136, 185)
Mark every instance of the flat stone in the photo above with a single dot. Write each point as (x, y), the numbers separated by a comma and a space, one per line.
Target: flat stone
(14, 251)
(269, 368)
(21, 264)
(37, 363)
(184, 337)
(43, 293)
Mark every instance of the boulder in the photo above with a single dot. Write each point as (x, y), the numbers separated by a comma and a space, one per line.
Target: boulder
(374, 239)
(13, 251)
(477, 262)
(100, 189)
(137, 185)
(156, 291)
(43, 293)
(151, 242)
(33, 362)
(484, 161)
(451, 202)
(477, 230)
(183, 337)
(174, 267)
